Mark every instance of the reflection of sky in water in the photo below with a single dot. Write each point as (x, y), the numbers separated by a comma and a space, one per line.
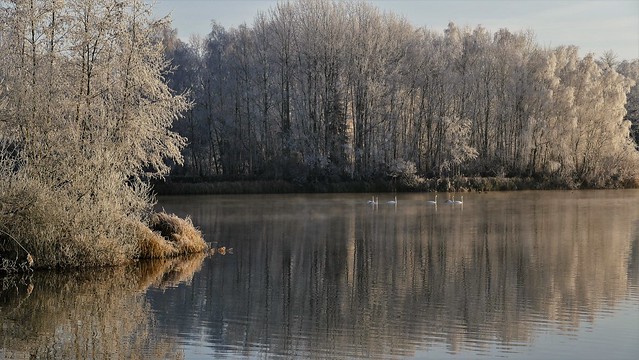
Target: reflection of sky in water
(588, 342)
(518, 275)
(510, 275)
(620, 326)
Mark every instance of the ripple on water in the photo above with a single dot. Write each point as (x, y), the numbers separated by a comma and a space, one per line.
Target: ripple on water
(519, 275)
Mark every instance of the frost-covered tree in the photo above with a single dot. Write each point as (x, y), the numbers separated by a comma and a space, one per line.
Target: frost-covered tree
(630, 69)
(87, 119)
(330, 90)
(456, 144)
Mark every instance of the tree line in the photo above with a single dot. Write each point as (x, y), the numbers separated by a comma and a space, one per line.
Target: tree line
(327, 90)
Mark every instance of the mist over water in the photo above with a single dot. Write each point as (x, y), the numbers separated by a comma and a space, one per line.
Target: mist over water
(522, 275)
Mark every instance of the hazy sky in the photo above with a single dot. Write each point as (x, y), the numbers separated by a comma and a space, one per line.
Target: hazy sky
(594, 26)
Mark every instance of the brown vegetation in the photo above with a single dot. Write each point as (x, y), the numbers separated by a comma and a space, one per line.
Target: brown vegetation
(43, 230)
(169, 236)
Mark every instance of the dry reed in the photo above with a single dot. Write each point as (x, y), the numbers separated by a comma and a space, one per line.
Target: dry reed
(168, 236)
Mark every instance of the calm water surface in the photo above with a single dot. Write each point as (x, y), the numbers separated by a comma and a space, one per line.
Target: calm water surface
(522, 275)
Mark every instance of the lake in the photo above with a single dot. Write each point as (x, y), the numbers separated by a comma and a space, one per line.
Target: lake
(518, 275)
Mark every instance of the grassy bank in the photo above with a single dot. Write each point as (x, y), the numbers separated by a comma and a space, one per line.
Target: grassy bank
(79, 225)
(190, 186)
(162, 236)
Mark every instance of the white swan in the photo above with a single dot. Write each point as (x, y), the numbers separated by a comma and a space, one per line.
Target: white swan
(449, 201)
(459, 201)
(433, 202)
(372, 201)
(392, 202)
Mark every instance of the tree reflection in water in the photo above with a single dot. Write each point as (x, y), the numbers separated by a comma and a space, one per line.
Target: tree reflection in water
(329, 275)
(89, 314)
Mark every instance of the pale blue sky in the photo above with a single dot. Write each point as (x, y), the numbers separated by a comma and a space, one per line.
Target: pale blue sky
(594, 25)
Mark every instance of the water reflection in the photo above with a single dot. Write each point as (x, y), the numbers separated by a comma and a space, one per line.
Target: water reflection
(89, 314)
(330, 276)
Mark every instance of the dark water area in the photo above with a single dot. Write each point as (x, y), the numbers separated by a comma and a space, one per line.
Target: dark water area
(521, 275)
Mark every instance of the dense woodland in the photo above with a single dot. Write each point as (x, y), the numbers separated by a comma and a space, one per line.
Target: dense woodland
(330, 91)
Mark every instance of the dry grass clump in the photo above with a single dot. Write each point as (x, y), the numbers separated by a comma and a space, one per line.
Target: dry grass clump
(60, 231)
(65, 227)
(64, 224)
(168, 236)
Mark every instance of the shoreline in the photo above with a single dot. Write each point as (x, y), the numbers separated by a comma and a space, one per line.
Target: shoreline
(195, 186)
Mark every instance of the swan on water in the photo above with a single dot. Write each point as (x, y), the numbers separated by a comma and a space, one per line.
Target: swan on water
(459, 201)
(392, 202)
(434, 202)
